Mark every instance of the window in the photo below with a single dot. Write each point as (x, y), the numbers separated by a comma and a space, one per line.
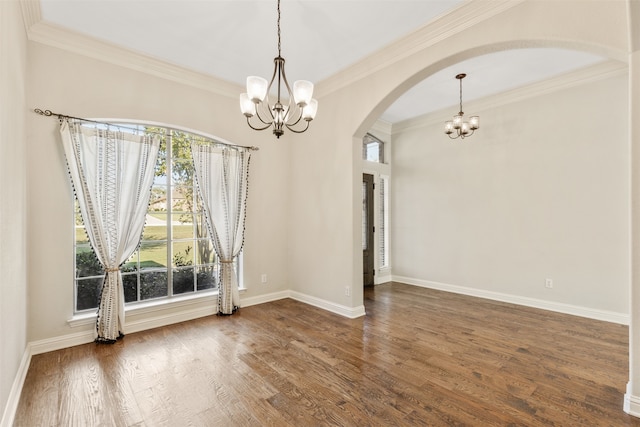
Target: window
(175, 255)
(372, 149)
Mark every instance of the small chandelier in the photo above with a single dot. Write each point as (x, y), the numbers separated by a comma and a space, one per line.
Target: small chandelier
(299, 110)
(458, 127)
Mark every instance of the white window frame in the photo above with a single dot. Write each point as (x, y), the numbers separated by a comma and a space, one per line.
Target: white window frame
(368, 139)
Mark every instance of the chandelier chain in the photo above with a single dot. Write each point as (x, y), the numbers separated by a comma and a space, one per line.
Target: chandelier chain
(279, 49)
(460, 96)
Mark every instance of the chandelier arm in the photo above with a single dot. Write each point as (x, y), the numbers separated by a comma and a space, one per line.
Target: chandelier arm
(268, 125)
(297, 112)
(279, 62)
(266, 122)
(289, 92)
(290, 127)
(292, 109)
(266, 105)
(463, 136)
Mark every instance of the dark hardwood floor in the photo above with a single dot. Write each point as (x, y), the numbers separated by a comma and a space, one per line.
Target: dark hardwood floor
(419, 357)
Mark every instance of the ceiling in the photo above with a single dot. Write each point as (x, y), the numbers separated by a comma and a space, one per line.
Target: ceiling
(231, 39)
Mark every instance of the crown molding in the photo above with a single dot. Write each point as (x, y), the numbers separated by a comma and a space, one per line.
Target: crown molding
(31, 13)
(61, 38)
(453, 22)
(459, 19)
(382, 126)
(601, 71)
(633, 17)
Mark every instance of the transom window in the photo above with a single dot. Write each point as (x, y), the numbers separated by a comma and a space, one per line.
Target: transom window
(372, 149)
(175, 256)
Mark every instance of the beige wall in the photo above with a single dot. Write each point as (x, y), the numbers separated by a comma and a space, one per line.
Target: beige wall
(13, 166)
(327, 220)
(76, 85)
(540, 191)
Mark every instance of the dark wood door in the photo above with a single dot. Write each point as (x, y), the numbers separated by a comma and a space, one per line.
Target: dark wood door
(367, 229)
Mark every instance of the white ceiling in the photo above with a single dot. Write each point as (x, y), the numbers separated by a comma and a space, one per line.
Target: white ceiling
(231, 39)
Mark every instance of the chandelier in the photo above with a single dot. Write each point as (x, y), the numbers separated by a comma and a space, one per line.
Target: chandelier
(299, 108)
(458, 127)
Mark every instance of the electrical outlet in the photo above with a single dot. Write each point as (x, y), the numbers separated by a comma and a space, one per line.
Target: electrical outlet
(548, 283)
(263, 278)
(347, 291)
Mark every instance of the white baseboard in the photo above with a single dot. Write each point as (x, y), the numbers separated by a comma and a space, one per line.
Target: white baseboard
(155, 318)
(261, 299)
(64, 341)
(148, 322)
(591, 313)
(16, 390)
(631, 403)
(342, 310)
(168, 319)
(383, 279)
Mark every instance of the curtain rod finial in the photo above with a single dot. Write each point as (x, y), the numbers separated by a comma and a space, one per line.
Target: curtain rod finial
(43, 113)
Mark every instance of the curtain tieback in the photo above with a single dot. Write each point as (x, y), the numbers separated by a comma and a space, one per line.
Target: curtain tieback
(226, 262)
(112, 270)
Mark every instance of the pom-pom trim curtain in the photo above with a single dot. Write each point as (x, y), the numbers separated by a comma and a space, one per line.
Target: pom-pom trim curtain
(112, 172)
(222, 180)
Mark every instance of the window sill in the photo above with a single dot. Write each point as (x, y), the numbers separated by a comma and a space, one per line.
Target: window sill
(150, 307)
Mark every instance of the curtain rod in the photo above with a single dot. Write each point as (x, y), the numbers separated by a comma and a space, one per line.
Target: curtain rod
(49, 113)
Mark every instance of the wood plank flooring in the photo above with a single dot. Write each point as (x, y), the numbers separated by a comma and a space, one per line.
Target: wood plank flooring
(420, 357)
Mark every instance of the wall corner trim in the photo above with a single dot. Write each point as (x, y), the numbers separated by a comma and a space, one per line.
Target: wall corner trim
(631, 404)
(16, 389)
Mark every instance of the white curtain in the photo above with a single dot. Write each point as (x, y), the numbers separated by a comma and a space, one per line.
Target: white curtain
(112, 172)
(222, 179)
